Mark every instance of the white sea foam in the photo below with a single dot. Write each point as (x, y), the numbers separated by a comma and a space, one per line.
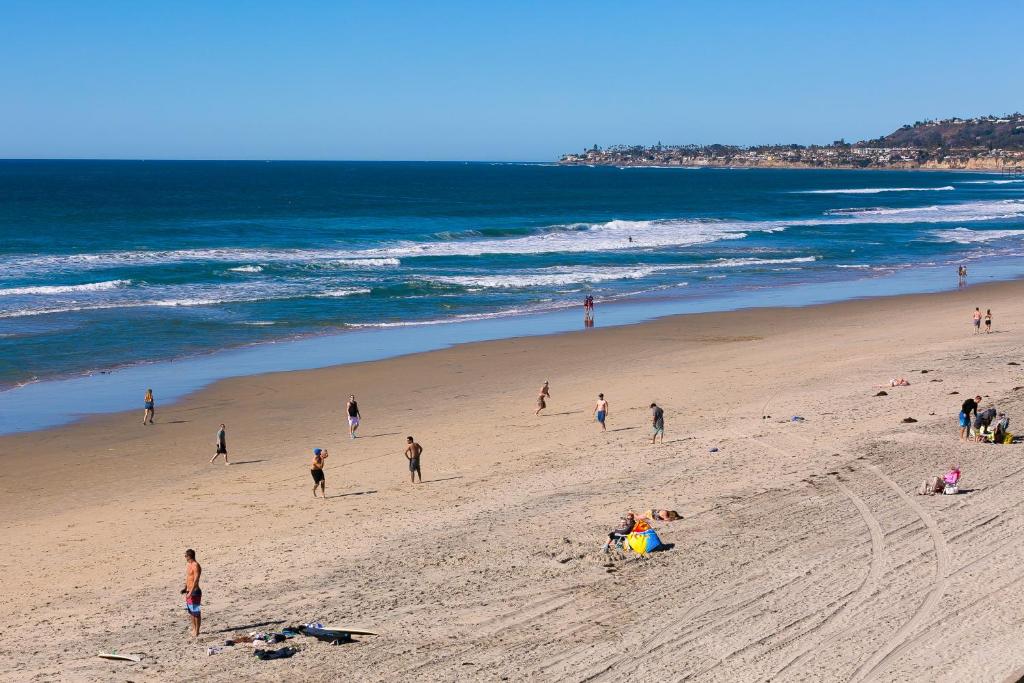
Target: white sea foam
(247, 269)
(941, 213)
(65, 289)
(1005, 181)
(966, 236)
(572, 238)
(367, 262)
(344, 292)
(876, 190)
(181, 296)
(561, 276)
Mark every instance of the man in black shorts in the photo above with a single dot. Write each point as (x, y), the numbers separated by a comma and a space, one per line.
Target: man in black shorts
(222, 445)
(317, 470)
(412, 453)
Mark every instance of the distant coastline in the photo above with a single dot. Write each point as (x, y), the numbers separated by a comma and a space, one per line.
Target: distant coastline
(989, 143)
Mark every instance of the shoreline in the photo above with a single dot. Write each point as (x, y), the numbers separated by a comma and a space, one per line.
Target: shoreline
(26, 408)
(793, 534)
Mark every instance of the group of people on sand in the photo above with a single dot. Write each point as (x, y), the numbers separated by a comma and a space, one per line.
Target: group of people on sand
(413, 453)
(978, 318)
(988, 425)
(628, 521)
(602, 409)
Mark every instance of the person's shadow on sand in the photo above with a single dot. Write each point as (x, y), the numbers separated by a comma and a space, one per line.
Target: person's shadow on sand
(353, 493)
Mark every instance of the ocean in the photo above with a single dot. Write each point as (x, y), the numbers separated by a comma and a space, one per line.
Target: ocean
(108, 264)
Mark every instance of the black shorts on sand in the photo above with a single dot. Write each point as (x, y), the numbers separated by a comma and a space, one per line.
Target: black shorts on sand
(318, 476)
(414, 464)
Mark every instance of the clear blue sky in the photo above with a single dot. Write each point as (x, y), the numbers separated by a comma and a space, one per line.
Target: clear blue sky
(487, 80)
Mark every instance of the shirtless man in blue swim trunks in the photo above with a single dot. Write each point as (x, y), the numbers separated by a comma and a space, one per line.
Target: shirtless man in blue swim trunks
(192, 592)
(601, 411)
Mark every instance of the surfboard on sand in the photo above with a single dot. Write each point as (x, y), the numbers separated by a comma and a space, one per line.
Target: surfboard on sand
(353, 630)
(120, 658)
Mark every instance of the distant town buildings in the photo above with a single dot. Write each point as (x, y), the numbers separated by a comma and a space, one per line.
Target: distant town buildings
(989, 143)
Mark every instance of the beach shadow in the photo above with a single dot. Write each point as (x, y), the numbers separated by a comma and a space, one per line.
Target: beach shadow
(434, 481)
(664, 547)
(568, 412)
(247, 462)
(175, 422)
(621, 429)
(354, 493)
(374, 436)
(246, 627)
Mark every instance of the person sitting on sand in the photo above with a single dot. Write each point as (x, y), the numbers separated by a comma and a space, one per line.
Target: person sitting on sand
(983, 422)
(939, 484)
(663, 515)
(1000, 429)
(619, 533)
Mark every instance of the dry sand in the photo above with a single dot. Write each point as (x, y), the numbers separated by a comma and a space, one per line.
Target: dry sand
(803, 555)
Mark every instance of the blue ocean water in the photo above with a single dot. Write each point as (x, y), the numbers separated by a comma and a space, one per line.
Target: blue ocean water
(105, 264)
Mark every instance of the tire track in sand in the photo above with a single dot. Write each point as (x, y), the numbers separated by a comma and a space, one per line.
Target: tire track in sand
(901, 639)
(879, 557)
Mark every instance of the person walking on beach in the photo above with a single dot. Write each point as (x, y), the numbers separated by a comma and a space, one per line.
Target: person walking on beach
(969, 406)
(657, 423)
(545, 392)
(601, 411)
(317, 470)
(353, 415)
(988, 320)
(977, 320)
(413, 451)
(192, 592)
(222, 445)
(147, 417)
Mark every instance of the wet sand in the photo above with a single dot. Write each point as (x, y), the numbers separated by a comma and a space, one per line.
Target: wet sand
(803, 553)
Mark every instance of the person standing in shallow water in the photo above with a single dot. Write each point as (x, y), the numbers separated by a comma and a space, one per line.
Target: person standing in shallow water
(150, 404)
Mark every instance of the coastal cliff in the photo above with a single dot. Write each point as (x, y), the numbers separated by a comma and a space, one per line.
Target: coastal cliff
(987, 143)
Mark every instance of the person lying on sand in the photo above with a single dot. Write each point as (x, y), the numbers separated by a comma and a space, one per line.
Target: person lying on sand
(894, 382)
(663, 515)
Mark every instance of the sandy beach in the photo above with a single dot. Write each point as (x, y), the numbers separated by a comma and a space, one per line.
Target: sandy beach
(803, 553)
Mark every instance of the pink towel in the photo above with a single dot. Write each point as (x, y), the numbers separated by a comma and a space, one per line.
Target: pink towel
(952, 477)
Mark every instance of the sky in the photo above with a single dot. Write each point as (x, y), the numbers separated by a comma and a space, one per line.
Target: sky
(491, 80)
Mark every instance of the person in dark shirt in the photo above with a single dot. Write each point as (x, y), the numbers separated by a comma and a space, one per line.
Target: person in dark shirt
(969, 406)
(657, 423)
(620, 532)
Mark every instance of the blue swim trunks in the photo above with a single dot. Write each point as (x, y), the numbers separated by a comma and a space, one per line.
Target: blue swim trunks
(600, 416)
(964, 422)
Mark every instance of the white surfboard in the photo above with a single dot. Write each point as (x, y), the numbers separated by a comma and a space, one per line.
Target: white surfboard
(120, 658)
(353, 630)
